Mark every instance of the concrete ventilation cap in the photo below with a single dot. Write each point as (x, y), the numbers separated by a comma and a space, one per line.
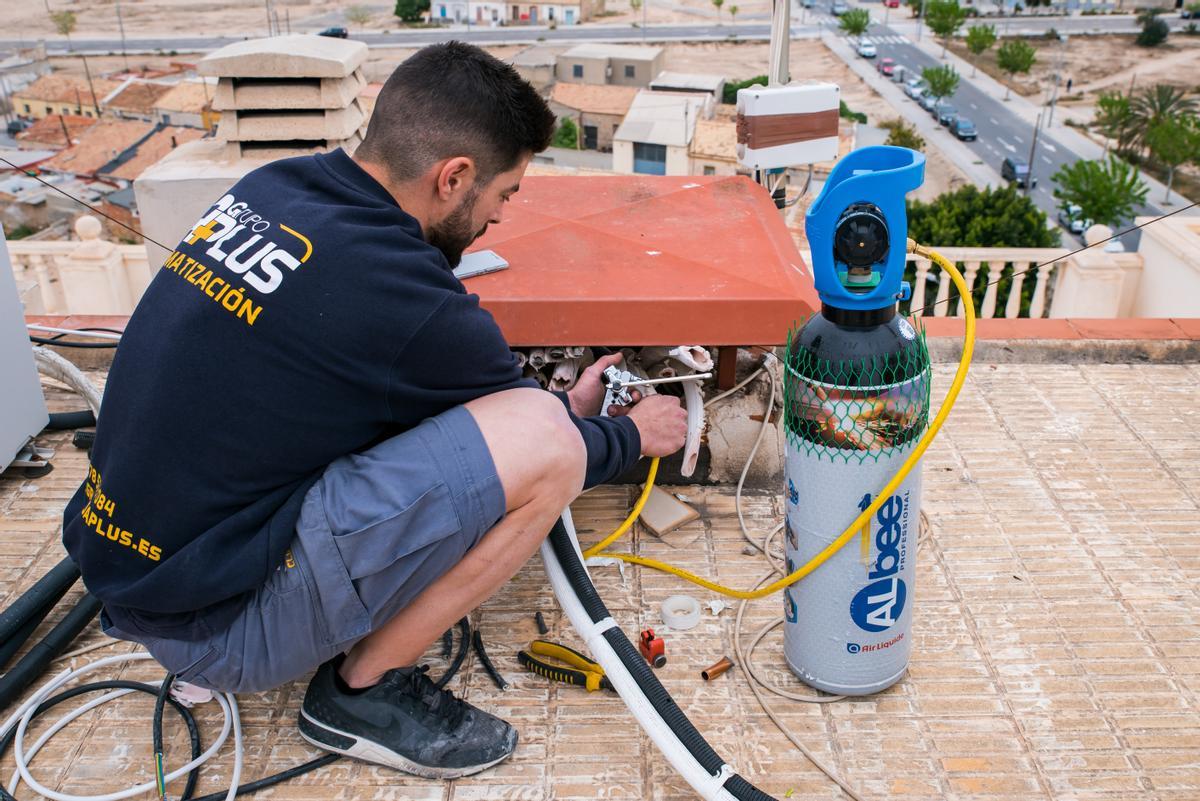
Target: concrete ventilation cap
(294, 56)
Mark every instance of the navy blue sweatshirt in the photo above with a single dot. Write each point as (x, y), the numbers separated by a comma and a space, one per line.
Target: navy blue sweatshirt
(303, 317)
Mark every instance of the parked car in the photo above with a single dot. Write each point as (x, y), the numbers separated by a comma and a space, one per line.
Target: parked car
(18, 125)
(914, 87)
(866, 49)
(1071, 217)
(335, 32)
(946, 114)
(892, 3)
(809, 3)
(927, 102)
(838, 8)
(886, 66)
(1016, 170)
(900, 74)
(964, 129)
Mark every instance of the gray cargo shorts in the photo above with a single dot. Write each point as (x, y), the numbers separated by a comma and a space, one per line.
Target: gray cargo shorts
(376, 529)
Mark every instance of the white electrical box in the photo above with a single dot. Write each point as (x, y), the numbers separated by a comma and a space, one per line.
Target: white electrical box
(22, 405)
(787, 126)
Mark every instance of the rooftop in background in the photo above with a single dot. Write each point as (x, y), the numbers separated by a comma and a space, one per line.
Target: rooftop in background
(190, 97)
(135, 96)
(630, 52)
(120, 148)
(688, 82)
(24, 159)
(715, 139)
(48, 131)
(59, 88)
(595, 98)
(662, 118)
(535, 56)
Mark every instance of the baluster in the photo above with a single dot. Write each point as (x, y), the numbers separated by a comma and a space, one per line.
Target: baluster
(918, 301)
(1038, 303)
(988, 310)
(48, 285)
(941, 308)
(1012, 309)
(969, 273)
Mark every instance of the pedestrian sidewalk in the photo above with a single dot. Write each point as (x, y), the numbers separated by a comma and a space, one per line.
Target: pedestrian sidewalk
(976, 170)
(1074, 141)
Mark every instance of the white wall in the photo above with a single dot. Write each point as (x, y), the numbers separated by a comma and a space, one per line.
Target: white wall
(623, 157)
(1170, 283)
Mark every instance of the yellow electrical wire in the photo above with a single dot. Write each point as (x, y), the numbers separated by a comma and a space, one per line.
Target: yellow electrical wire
(864, 517)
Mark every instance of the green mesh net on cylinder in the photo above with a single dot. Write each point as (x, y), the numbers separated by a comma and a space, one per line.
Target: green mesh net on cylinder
(852, 410)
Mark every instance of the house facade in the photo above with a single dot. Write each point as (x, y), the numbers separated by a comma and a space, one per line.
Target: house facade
(618, 65)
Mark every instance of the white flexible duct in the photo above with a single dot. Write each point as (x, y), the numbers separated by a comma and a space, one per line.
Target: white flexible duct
(51, 365)
(708, 786)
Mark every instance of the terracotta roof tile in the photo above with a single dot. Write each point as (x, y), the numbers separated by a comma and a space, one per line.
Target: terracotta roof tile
(137, 97)
(99, 145)
(153, 149)
(715, 139)
(189, 97)
(48, 131)
(67, 89)
(595, 99)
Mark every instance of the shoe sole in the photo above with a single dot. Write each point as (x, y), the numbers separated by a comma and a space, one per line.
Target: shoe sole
(341, 742)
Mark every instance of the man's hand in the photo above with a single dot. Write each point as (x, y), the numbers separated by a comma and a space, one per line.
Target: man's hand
(588, 393)
(661, 421)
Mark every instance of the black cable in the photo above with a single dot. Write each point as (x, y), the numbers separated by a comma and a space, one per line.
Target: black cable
(69, 421)
(156, 732)
(59, 343)
(464, 631)
(477, 641)
(115, 684)
(269, 781)
(39, 657)
(1077, 251)
(447, 643)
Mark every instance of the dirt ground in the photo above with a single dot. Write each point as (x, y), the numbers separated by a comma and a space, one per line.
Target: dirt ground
(1100, 63)
(146, 18)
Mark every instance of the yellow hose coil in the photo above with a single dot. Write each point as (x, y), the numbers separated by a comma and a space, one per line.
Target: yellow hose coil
(864, 517)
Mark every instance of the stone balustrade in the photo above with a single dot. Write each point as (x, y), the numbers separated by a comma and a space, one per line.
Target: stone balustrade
(1003, 273)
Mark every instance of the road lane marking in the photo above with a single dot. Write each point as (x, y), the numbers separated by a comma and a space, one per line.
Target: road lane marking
(974, 106)
(993, 120)
(1007, 146)
(1047, 160)
(1050, 147)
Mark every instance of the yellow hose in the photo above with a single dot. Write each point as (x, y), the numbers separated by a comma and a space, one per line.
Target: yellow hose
(864, 517)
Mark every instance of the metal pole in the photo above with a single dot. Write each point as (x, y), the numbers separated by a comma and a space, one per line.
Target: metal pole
(1057, 79)
(778, 74)
(121, 26)
(91, 88)
(1032, 154)
(267, 7)
(644, 4)
(920, 20)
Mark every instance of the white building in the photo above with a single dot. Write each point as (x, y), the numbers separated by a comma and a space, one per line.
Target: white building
(655, 135)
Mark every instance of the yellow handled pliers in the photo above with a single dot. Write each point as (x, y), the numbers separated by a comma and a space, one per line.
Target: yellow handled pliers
(581, 671)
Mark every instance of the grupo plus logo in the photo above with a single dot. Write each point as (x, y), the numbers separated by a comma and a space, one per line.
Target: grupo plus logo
(877, 606)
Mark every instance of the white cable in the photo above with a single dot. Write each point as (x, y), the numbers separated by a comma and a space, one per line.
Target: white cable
(24, 714)
(54, 366)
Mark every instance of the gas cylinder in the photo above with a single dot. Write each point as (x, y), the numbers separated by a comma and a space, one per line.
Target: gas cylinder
(857, 382)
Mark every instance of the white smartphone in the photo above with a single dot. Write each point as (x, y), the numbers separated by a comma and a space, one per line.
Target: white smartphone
(480, 262)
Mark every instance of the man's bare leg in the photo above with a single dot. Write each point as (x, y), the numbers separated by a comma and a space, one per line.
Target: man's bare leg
(540, 460)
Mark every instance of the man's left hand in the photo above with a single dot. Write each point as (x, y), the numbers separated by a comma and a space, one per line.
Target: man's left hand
(588, 393)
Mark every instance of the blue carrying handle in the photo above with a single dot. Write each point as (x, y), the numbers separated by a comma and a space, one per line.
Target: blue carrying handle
(879, 175)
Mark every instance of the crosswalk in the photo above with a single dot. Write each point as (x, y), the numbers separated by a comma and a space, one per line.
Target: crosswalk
(892, 39)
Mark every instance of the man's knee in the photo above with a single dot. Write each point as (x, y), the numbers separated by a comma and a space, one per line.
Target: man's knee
(535, 446)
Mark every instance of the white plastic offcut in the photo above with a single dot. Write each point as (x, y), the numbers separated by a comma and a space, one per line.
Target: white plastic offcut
(810, 98)
(708, 786)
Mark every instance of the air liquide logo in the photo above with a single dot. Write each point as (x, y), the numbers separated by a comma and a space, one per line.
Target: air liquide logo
(877, 606)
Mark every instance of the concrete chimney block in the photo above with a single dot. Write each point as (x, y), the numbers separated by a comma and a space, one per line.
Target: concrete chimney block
(326, 93)
(298, 124)
(294, 56)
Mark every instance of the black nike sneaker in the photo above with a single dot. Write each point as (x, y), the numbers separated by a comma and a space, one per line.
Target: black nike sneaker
(404, 722)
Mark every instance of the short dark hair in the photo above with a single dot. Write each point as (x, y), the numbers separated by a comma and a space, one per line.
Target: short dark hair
(453, 99)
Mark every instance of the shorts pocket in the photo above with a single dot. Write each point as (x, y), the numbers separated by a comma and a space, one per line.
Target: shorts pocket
(429, 519)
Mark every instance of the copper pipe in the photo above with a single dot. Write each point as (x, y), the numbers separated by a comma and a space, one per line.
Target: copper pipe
(708, 674)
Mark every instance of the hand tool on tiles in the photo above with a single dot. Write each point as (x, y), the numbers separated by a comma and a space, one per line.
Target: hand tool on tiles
(560, 663)
(653, 648)
(618, 382)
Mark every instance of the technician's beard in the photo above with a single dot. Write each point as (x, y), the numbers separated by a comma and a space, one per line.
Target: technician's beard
(454, 234)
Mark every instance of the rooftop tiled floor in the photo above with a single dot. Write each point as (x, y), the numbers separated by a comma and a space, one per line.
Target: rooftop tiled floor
(1057, 649)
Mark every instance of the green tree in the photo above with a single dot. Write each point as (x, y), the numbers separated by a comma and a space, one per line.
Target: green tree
(1174, 141)
(846, 113)
(855, 22)
(566, 135)
(358, 15)
(636, 5)
(980, 38)
(1158, 103)
(1108, 191)
(914, 6)
(944, 18)
(64, 23)
(1114, 119)
(1154, 32)
(942, 81)
(733, 12)
(973, 217)
(901, 134)
(1015, 56)
(729, 93)
(718, 4)
(411, 10)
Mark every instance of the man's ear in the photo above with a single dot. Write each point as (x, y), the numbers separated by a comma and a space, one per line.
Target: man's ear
(456, 177)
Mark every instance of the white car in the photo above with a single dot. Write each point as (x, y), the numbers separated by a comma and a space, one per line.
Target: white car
(914, 88)
(866, 49)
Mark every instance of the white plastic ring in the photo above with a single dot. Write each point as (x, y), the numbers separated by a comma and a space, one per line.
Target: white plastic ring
(681, 612)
